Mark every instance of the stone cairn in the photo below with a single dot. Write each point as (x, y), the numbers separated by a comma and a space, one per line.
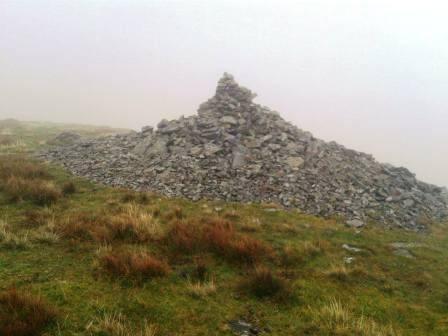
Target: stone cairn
(236, 150)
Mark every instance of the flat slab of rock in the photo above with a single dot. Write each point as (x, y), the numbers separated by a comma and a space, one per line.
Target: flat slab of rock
(355, 223)
(65, 138)
(243, 328)
(349, 260)
(351, 248)
(404, 253)
(403, 249)
(406, 245)
(295, 162)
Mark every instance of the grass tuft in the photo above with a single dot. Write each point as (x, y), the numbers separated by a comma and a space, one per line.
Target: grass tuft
(265, 283)
(291, 256)
(117, 325)
(22, 314)
(344, 273)
(22, 167)
(250, 250)
(219, 235)
(184, 237)
(336, 319)
(132, 224)
(132, 265)
(69, 188)
(39, 217)
(11, 240)
(201, 289)
(38, 191)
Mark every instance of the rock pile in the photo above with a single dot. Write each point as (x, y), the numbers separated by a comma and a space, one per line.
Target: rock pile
(445, 193)
(236, 150)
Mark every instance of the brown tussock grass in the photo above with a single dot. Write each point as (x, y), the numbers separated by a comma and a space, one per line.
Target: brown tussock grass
(175, 213)
(22, 314)
(232, 215)
(263, 282)
(40, 192)
(6, 140)
(252, 224)
(81, 226)
(134, 224)
(184, 236)
(69, 188)
(312, 249)
(23, 178)
(131, 223)
(334, 318)
(12, 240)
(216, 235)
(21, 166)
(201, 289)
(133, 265)
(291, 256)
(201, 268)
(117, 325)
(344, 273)
(38, 217)
(250, 250)
(135, 197)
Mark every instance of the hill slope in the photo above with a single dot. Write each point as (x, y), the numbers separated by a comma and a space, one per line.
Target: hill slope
(115, 262)
(23, 136)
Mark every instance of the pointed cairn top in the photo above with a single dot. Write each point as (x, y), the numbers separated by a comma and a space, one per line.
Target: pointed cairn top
(230, 98)
(229, 88)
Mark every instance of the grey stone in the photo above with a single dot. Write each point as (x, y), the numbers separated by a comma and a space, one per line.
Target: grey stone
(239, 157)
(159, 147)
(65, 138)
(351, 248)
(147, 129)
(349, 260)
(211, 149)
(142, 146)
(355, 223)
(229, 120)
(243, 328)
(294, 162)
(196, 150)
(162, 124)
(404, 253)
(404, 245)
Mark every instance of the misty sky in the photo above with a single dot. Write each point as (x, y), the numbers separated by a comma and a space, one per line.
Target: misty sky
(372, 75)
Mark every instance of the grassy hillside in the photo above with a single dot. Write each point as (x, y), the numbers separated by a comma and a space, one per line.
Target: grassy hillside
(78, 258)
(28, 135)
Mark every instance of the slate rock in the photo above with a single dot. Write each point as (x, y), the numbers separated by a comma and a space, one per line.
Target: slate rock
(355, 223)
(351, 248)
(294, 162)
(243, 328)
(404, 253)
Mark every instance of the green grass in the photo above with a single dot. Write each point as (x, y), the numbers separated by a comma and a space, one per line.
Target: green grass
(380, 293)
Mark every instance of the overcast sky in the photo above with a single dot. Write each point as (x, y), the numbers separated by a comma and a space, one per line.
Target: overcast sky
(372, 75)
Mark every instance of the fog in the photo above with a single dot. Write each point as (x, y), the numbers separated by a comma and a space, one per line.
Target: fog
(372, 75)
